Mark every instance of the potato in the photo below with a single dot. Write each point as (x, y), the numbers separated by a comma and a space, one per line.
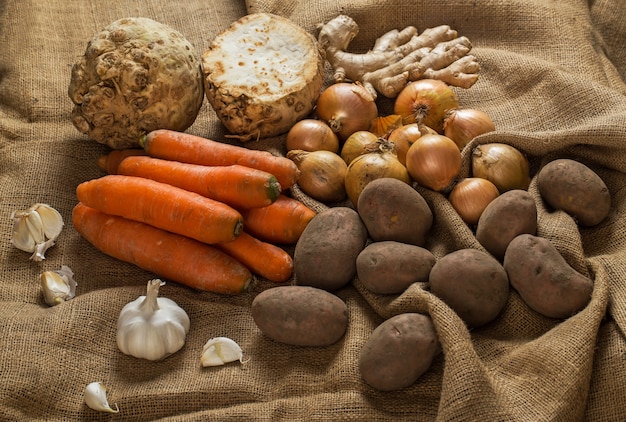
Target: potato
(399, 351)
(471, 282)
(543, 279)
(509, 215)
(389, 267)
(300, 315)
(392, 210)
(576, 189)
(325, 255)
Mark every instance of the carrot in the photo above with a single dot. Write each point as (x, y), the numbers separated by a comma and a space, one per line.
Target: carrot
(235, 185)
(168, 255)
(161, 205)
(180, 146)
(111, 161)
(281, 222)
(265, 259)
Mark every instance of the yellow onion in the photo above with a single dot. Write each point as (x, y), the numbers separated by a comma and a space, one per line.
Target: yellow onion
(322, 174)
(470, 197)
(502, 164)
(434, 161)
(357, 144)
(311, 135)
(371, 166)
(425, 101)
(464, 124)
(404, 136)
(346, 108)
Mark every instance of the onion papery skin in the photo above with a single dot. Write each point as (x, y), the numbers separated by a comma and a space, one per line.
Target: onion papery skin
(403, 137)
(371, 166)
(503, 165)
(312, 135)
(358, 143)
(426, 101)
(434, 161)
(470, 197)
(346, 108)
(464, 124)
(322, 174)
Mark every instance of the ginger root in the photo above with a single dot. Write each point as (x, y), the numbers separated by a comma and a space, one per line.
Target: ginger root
(398, 57)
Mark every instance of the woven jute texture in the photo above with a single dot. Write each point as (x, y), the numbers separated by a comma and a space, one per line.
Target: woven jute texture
(552, 79)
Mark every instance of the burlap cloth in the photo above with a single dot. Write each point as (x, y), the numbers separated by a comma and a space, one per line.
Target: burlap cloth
(552, 78)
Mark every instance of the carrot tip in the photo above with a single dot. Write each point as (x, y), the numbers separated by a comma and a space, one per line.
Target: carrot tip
(274, 189)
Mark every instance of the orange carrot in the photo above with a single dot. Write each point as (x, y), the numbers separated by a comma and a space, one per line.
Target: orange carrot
(281, 222)
(265, 259)
(180, 146)
(111, 161)
(168, 255)
(161, 205)
(235, 185)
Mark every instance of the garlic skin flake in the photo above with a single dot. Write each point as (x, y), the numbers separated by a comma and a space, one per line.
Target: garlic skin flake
(36, 229)
(219, 351)
(152, 327)
(96, 398)
(58, 286)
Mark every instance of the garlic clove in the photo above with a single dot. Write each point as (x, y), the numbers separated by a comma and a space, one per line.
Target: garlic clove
(58, 286)
(36, 229)
(51, 219)
(219, 351)
(96, 399)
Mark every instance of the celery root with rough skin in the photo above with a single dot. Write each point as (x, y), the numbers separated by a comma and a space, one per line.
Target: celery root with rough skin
(398, 57)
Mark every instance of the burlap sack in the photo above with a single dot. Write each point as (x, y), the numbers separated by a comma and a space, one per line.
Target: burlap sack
(552, 78)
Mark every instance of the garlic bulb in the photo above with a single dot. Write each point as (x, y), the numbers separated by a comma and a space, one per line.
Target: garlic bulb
(36, 229)
(219, 351)
(96, 398)
(58, 286)
(152, 327)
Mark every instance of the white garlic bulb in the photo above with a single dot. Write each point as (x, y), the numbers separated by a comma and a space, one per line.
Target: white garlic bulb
(152, 327)
(96, 398)
(219, 351)
(58, 286)
(36, 229)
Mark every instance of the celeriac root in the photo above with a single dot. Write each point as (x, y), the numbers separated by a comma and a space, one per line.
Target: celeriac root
(398, 57)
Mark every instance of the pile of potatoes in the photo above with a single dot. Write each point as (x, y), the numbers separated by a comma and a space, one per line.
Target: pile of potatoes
(382, 243)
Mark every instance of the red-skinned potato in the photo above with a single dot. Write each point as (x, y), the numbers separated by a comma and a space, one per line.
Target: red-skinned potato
(300, 315)
(326, 252)
(390, 267)
(471, 282)
(399, 351)
(543, 279)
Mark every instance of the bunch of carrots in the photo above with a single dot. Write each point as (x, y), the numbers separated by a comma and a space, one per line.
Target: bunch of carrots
(203, 213)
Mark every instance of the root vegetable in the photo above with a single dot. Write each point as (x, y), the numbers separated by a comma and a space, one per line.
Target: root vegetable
(282, 222)
(300, 315)
(398, 57)
(543, 279)
(392, 210)
(399, 351)
(473, 283)
(573, 187)
(262, 75)
(136, 75)
(325, 255)
(161, 205)
(168, 255)
(322, 174)
(238, 186)
(187, 148)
